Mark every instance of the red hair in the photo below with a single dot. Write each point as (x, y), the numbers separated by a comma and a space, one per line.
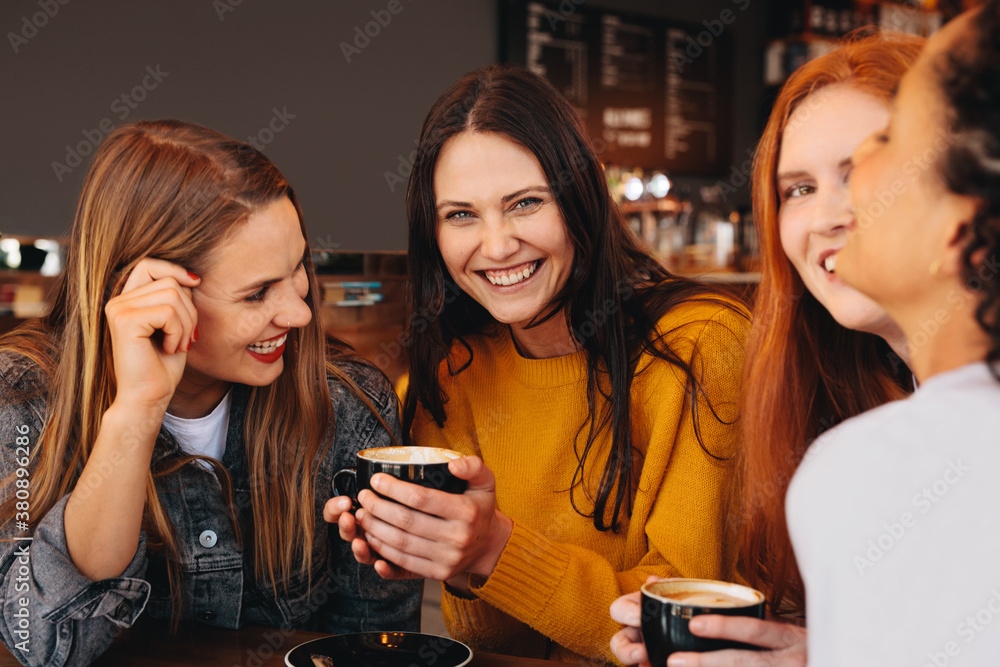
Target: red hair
(804, 372)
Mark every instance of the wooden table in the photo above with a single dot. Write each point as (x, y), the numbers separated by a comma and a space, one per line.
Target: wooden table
(149, 644)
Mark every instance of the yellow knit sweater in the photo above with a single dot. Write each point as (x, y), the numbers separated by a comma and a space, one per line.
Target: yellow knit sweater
(557, 576)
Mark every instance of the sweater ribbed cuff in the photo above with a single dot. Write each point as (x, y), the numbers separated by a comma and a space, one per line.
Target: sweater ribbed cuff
(527, 575)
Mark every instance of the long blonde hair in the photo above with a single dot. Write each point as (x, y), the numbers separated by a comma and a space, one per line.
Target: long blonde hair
(174, 191)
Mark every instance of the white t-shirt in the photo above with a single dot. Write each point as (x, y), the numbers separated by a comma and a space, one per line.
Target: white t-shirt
(895, 520)
(205, 435)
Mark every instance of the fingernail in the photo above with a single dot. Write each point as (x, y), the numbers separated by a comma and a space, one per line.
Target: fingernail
(696, 624)
(674, 661)
(194, 276)
(376, 482)
(195, 337)
(344, 504)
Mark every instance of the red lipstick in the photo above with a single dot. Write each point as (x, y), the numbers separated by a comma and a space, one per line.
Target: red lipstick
(270, 357)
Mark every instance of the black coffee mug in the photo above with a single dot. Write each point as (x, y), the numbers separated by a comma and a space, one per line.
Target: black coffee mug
(669, 604)
(425, 466)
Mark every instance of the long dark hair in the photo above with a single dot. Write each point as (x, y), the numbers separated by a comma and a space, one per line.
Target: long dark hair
(970, 80)
(611, 276)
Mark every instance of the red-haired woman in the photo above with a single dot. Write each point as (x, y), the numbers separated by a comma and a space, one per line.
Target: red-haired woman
(819, 351)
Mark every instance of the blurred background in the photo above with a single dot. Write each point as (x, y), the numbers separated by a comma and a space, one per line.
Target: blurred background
(674, 95)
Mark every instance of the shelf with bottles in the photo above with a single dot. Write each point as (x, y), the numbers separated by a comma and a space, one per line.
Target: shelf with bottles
(373, 281)
(29, 266)
(364, 304)
(802, 30)
(691, 231)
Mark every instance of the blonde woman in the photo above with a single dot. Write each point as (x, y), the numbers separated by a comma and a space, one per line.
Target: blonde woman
(172, 425)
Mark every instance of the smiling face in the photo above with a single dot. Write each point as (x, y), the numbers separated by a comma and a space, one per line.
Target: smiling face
(815, 207)
(905, 212)
(500, 232)
(249, 298)
(906, 250)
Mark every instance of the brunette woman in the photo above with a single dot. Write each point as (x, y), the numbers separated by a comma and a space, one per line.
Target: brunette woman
(594, 393)
(176, 419)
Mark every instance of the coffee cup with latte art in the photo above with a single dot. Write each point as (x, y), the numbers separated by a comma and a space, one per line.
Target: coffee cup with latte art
(669, 604)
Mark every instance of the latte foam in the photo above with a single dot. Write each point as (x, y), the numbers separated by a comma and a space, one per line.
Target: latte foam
(410, 454)
(697, 598)
(702, 593)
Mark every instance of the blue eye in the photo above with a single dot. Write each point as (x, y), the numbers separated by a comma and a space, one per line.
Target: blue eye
(528, 202)
(459, 218)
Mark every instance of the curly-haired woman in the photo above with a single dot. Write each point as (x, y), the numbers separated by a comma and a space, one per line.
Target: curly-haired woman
(895, 521)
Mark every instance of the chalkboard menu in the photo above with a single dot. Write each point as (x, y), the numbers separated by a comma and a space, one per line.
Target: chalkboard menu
(653, 93)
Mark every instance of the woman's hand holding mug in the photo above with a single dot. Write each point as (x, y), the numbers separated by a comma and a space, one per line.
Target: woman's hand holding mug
(785, 643)
(424, 532)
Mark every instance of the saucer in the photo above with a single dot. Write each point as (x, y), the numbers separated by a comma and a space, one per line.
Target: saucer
(382, 649)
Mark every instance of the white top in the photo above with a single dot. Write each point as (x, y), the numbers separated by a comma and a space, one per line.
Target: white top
(205, 436)
(895, 520)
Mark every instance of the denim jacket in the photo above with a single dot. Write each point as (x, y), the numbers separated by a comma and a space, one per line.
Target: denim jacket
(54, 615)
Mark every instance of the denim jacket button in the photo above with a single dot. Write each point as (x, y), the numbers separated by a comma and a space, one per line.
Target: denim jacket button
(207, 616)
(208, 539)
(124, 610)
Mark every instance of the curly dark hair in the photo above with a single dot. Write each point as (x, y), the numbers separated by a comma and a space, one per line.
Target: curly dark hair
(970, 81)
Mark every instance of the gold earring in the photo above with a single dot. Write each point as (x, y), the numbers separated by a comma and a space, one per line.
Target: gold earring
(935, 267)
